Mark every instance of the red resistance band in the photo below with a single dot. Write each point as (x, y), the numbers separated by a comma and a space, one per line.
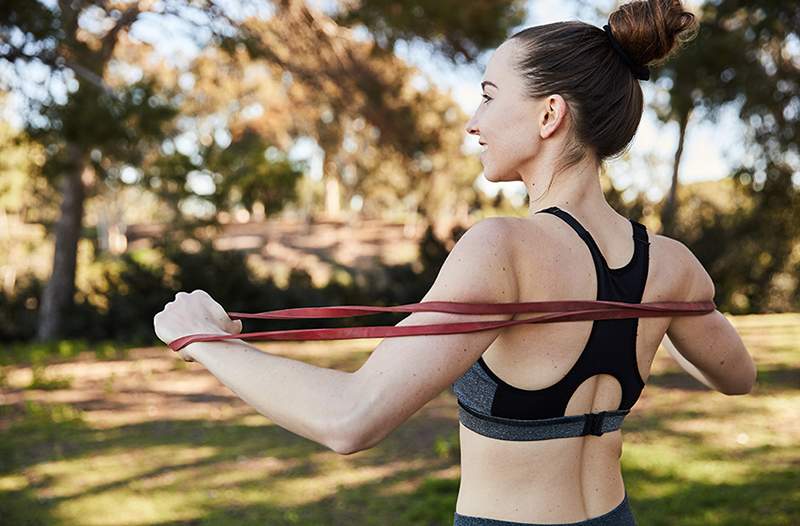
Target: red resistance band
(577, 310)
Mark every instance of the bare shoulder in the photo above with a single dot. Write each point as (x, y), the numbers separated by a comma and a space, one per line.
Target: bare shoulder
(479, 266)
(513, 228)
(496, 222)
(490, 242)
(506, 232)
(497, 231)
(679, 262)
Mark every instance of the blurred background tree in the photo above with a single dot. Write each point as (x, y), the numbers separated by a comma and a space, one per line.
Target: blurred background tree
(116, 130)
(745, 56)
(103, 125)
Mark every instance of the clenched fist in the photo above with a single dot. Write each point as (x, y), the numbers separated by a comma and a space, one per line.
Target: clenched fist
(193, 313)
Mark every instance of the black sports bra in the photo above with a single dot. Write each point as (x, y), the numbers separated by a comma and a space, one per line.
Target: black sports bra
(490, 406)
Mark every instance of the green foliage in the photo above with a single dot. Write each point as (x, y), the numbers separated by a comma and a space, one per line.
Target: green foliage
(41, 380)
(447, 447)
(17, 161)
(18, 311)
(741, 56)
(41, 353)
(125, 292)
(249, 170)
(432, 503)
(737, 53)
(46, 421)
(745, 244)
(458, 30)
(112, 129)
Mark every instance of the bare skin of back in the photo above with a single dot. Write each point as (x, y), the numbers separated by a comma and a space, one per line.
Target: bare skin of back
(567, 479)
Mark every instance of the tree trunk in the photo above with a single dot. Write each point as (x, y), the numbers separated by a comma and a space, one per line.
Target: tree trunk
(58, 294)
(333, 196)
(670, 209)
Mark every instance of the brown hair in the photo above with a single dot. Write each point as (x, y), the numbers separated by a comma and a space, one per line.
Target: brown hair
(577, 61)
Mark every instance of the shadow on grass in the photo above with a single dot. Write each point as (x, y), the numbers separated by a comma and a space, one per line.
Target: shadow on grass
(57, 432)
(24, 508)
(771, 378)
(24, 446)
(777, 378)
(374, 503)
(405, 495)
(675, 380)
(769, 497)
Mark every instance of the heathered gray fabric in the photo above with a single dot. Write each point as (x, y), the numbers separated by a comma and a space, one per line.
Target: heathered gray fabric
(622, 515)
(478, 387)
(544, 429)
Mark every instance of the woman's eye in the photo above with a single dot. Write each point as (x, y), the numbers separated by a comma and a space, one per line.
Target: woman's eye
(486, 98)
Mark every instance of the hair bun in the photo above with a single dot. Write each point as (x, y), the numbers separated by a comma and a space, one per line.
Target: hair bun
(651, 31)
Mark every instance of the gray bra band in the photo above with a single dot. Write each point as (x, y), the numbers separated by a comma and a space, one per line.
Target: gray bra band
(542, 429)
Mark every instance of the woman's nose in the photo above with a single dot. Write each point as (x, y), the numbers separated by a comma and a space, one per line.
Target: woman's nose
(471, 128)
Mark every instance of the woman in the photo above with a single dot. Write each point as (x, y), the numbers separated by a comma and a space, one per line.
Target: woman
(559, 99)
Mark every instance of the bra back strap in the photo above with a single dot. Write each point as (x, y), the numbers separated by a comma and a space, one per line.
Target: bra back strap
(542, 429)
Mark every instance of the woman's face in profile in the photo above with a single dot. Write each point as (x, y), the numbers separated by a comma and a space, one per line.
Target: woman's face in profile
(506, 121)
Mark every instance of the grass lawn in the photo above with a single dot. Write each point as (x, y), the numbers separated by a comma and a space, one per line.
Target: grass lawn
(110, 436)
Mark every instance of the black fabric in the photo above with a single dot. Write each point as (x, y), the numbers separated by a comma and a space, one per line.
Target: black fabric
(610, 349)
(621, 515)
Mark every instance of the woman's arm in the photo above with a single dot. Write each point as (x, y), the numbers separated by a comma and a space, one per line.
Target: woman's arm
(686, 364)
(313, 402)
(347, 412)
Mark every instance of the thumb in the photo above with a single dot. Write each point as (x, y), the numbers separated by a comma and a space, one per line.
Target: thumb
(235, 327)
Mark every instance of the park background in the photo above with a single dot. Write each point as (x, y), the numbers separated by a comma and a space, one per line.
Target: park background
(285, 154)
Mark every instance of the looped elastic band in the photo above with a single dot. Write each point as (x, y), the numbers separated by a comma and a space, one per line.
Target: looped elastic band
(571, 310)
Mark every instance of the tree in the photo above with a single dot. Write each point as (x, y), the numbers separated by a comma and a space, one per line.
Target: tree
(740, 57)
(102, 125)
(743, 55)
(95, 126)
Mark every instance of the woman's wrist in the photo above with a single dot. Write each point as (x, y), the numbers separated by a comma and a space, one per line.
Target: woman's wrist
(200, 351)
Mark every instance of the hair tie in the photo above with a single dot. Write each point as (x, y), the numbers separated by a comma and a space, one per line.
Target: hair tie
(639, 71)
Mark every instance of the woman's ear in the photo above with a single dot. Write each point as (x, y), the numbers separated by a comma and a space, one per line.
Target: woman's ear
(552, 114)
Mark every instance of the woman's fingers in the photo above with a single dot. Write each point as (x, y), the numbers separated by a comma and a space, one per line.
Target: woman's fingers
(217, 311)
(234, 327)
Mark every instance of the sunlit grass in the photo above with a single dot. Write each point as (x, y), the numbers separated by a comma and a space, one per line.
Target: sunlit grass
(197, 455)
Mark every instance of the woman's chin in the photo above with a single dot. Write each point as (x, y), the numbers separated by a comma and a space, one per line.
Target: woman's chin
(500, 178)
(492, 175)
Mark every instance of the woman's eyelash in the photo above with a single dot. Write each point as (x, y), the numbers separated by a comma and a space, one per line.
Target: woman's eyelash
(487, 98)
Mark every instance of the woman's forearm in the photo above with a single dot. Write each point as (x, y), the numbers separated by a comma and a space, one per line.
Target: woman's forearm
(313, 402)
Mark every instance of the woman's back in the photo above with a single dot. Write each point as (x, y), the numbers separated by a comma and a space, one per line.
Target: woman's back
(564, 480)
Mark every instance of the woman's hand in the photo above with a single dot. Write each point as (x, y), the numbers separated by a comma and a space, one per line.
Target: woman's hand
(193, 313)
